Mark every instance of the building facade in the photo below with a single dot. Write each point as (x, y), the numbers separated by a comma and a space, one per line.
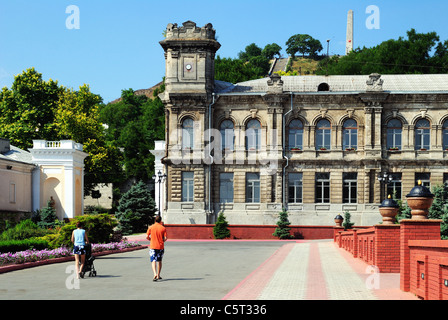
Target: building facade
(315, 145)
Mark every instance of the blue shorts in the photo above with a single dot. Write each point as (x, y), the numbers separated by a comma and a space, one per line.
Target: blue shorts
(156, 254)
(79, 250)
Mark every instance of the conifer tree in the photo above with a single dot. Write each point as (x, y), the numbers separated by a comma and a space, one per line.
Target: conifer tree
(220, 230)
(136, 209)
(283, 229)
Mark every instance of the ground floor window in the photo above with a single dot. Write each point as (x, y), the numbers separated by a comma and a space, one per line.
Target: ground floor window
(394, 186)
(225, 187)
(425, 179)
(350, 187)
(187, 186)
(322, 188)
(252, 187)
(295, 188)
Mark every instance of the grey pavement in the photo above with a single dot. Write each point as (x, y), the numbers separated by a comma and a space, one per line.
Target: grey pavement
(212, 270)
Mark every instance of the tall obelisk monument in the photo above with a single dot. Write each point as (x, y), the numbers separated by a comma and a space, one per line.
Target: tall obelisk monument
(349, 42)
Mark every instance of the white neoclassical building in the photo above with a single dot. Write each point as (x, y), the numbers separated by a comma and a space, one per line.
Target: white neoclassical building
(50, 171)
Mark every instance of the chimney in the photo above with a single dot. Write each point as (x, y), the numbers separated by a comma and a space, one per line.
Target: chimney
(5, 146)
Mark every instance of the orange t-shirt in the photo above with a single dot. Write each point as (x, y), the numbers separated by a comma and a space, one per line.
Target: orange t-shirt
(158, 235)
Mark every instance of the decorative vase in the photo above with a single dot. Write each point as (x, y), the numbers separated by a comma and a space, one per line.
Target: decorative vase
(420, 200)
(388, 210)
(338, 220)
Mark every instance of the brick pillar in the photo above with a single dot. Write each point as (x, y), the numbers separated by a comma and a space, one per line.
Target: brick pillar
(411, 229)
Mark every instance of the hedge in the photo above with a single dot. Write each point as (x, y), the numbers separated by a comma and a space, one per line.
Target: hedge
(22, 245)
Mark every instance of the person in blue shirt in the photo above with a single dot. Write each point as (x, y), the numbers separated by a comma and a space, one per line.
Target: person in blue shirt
(79, 239)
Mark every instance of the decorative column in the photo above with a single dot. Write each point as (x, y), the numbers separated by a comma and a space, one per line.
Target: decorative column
(60, 176)
(159, 194)
(417, 228)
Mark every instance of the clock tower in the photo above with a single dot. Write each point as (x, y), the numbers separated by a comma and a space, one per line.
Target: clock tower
(190, 54)
(188, 97)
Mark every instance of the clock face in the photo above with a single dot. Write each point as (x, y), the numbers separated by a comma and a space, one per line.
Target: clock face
(188, 67)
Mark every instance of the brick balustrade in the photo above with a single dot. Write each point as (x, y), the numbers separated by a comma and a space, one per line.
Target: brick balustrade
(413, 248)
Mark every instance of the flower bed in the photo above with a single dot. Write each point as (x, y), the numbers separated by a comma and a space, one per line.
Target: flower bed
(47, 254)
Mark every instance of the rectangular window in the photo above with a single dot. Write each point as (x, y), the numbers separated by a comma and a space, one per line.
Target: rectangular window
(252, 187)
(295, 187)
(12, 192)
(225, 187)
(394, 186)
(187, 186)
(350, 187)
(425, 178)
(322, 188)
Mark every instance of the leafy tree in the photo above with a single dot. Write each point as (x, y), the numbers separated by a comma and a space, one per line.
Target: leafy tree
(420, 53)
(136, 209)
(221, 230)
(250, 51)
(27, 109)
(133, 124)
(270, 50)
(304, 44)
(77, 119)
(283, 230)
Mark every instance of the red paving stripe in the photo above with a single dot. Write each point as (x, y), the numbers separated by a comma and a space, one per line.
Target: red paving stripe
(252, 286)
(316, 285)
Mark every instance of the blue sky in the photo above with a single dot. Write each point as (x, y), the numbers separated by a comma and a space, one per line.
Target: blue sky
(116, 46)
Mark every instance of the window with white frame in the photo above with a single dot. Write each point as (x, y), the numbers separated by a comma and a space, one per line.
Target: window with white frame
(227, 135)
(225, 187)
(253, 135)
(350, 187)
(295, 135)
(295, 187)
(323, 135)
(322, 187)
(422, 135)
(187, 186)
(252, 187)
(350, 135)
(394, 188)
(187, 134)
(394, 130)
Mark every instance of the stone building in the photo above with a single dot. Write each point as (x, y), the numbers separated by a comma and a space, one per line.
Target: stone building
(316, 145)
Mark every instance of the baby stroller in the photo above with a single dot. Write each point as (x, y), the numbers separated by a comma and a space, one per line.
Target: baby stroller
(88, 263)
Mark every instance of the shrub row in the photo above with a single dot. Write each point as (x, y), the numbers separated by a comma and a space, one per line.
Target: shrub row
(21, 245)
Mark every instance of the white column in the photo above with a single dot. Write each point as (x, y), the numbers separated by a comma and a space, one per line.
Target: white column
(159, 153)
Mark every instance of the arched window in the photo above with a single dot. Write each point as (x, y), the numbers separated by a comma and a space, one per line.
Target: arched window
(350, 135)
(445, 135)
(394, 129)
(422, 135)
(295, 136)
(187, 133)
(323, 87)
(253, 135)
(323, 135)
(227, 135)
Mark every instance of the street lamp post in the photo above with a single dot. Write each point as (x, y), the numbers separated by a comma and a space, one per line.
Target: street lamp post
(159, 178)
(384, 178)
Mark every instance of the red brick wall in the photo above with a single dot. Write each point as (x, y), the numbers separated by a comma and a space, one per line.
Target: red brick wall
(248, 232)
(429, 269)
(387, 248)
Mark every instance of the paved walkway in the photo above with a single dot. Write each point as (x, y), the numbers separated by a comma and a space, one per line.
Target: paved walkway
(215, 270)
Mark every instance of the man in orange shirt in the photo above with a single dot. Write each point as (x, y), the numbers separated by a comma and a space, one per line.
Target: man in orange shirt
(157, 236)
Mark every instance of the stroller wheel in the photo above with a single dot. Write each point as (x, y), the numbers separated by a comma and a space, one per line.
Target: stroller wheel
(94, 273)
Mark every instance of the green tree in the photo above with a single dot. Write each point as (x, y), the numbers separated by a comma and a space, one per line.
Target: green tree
(420, 53)
(283, 230)
(304, 44)
(221, 230)
(77, 118)
(27, 109)
(439, 208)
(271, 50)
(136, 209)
(347, 224)
(48, 218)
(133, 124)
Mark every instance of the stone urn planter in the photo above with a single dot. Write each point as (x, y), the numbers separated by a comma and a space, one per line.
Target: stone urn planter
(420, 200)
(388, 210)
(338, 220)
